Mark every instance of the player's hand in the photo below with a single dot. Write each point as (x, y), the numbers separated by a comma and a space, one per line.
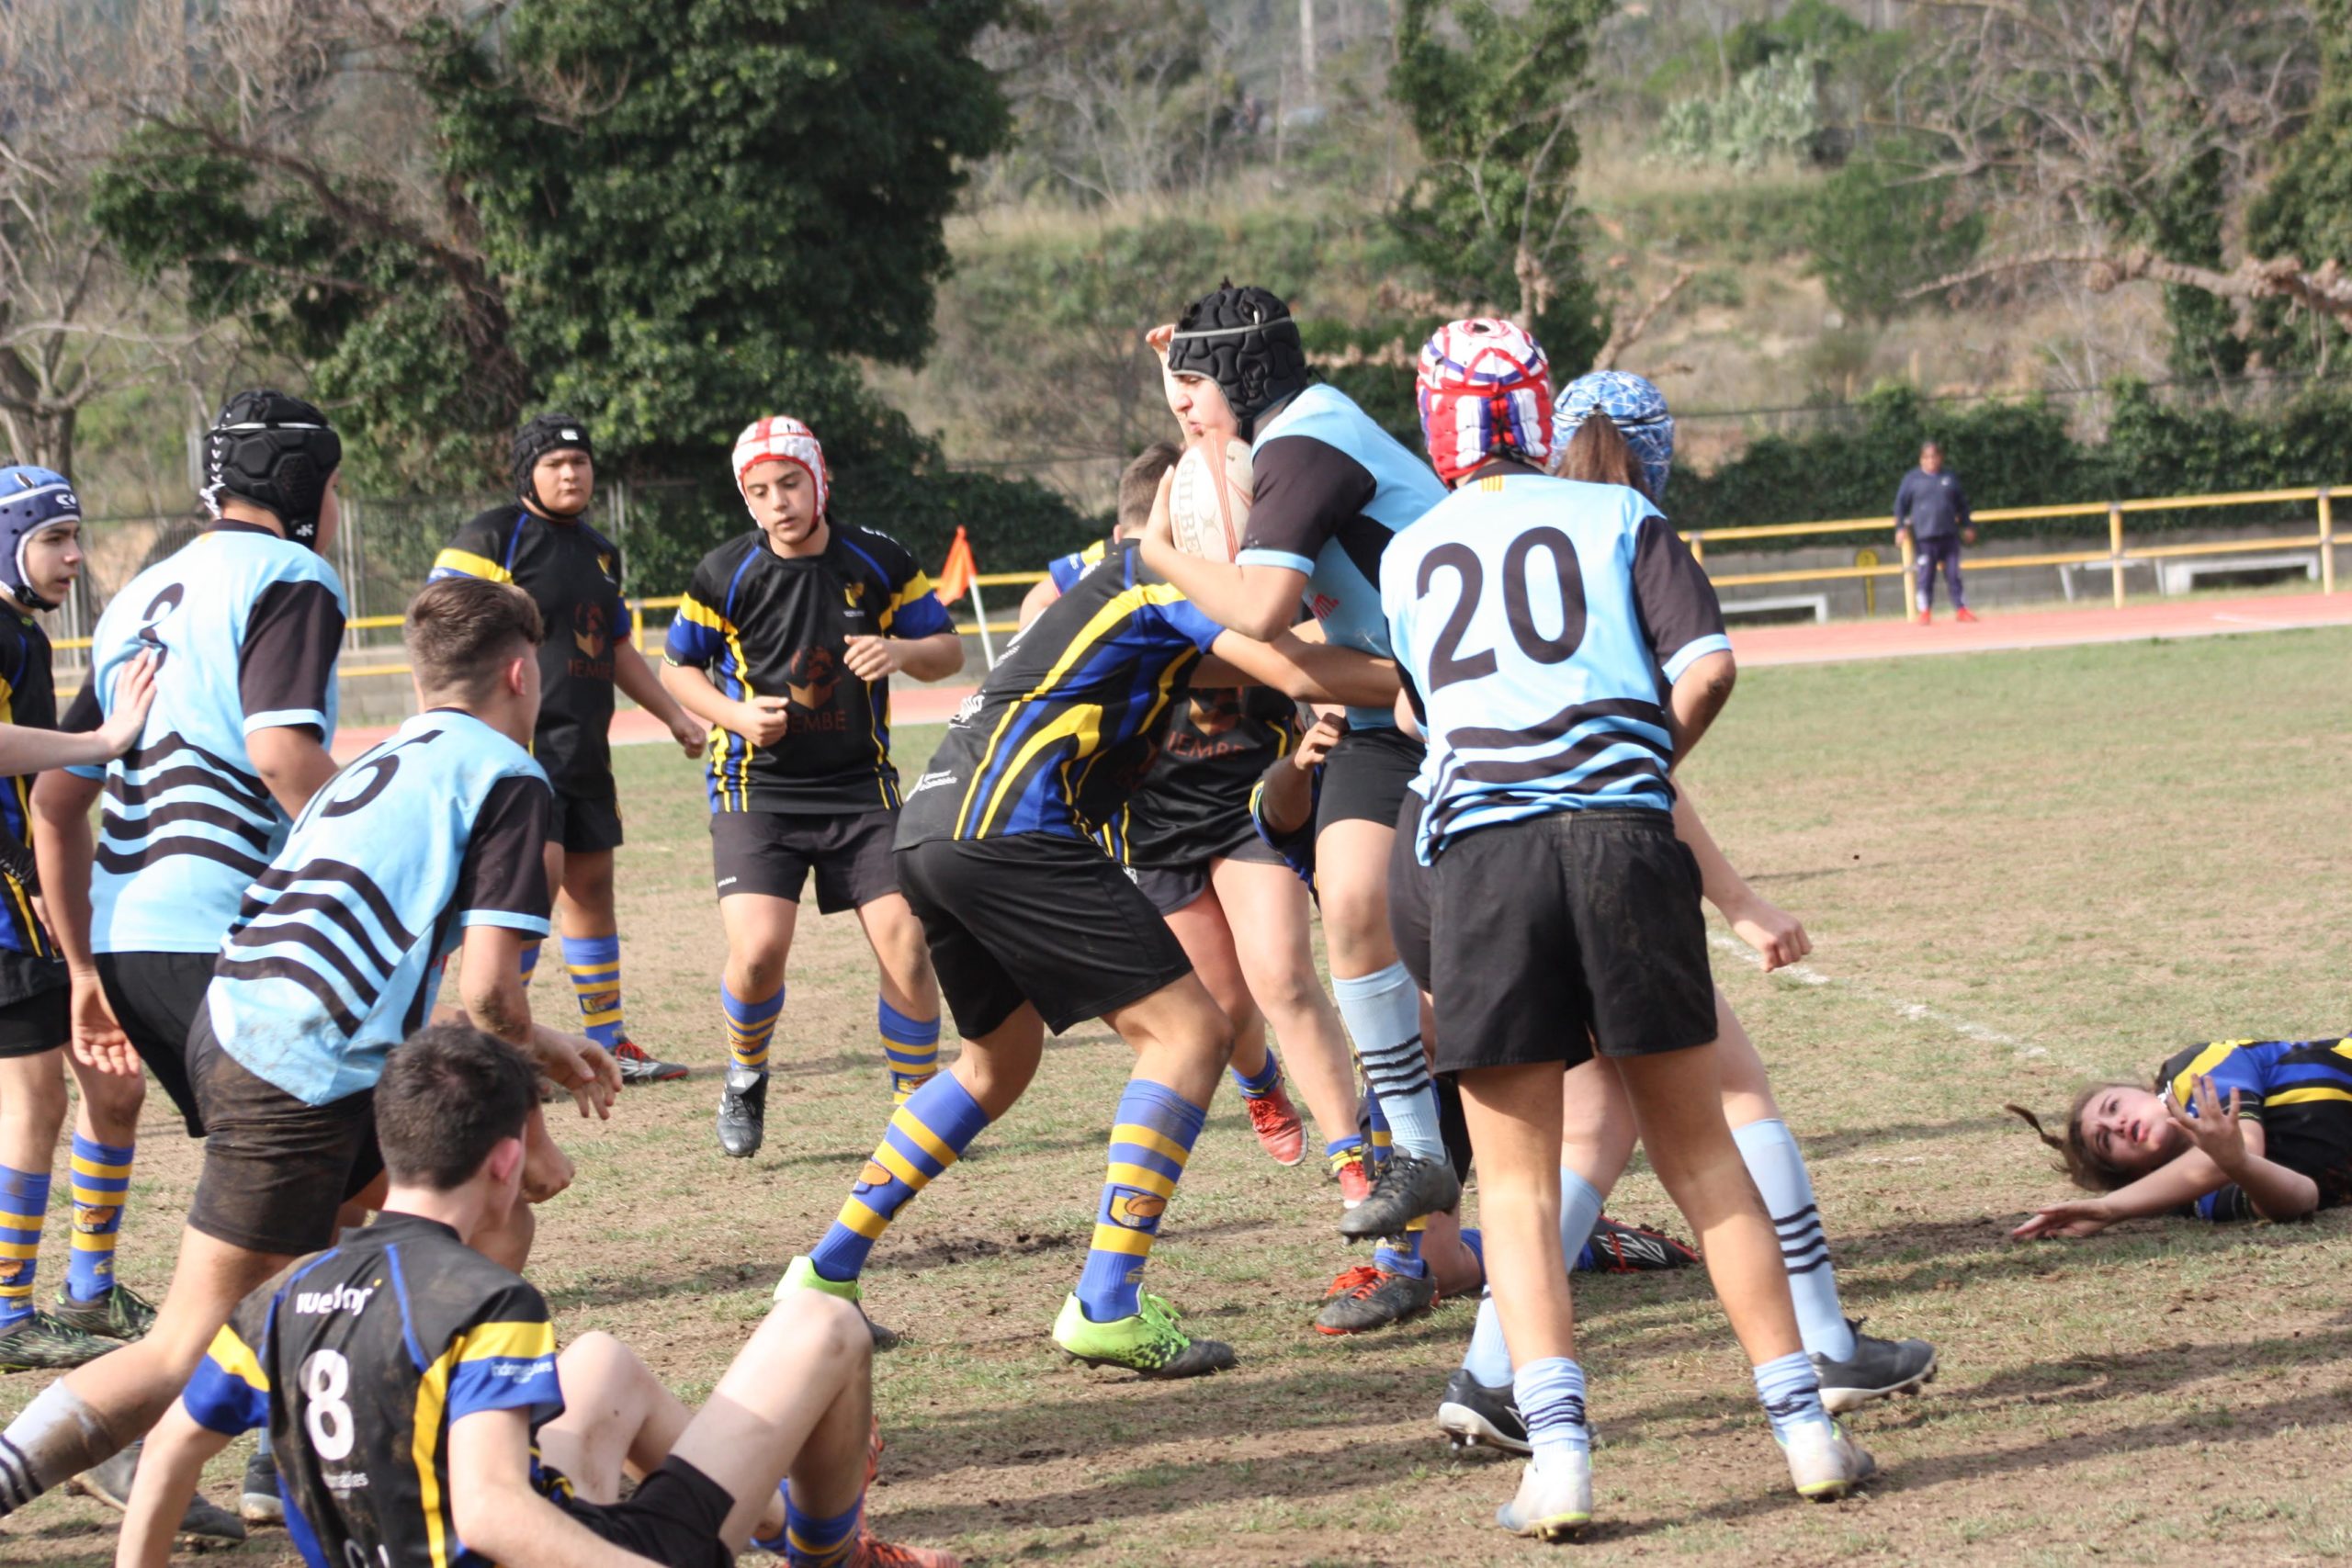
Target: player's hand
(1315, 745)
(2080, 1217)
(874, 658)
(546, 1170)
(581, 1066)
(1968, 536)
(1776, 935)
(100, 1042)
(2214, 1129)
(763, 720)
(689, 733)
(134, 694)
(1158, 339)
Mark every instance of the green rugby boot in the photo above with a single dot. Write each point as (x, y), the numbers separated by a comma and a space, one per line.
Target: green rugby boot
(1147, 1343)
(41, 1344)
(121, 1314)
(801, 1275)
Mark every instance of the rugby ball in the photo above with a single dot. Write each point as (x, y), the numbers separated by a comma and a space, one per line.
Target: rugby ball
(1208, 502)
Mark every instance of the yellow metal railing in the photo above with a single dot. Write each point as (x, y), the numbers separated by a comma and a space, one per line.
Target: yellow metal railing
(2117, 555)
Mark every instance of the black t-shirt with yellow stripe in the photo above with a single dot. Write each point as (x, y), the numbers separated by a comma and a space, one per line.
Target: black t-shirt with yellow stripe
(2299, 1091)
(28, 698)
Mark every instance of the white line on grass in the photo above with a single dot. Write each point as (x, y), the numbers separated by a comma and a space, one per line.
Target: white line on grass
(1807, 975)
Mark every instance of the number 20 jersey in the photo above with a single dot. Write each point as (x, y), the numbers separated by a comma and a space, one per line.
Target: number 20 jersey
(338, 947)
(1533, 617)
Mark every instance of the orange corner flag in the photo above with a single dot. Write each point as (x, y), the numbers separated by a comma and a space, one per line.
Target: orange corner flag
(955, 576)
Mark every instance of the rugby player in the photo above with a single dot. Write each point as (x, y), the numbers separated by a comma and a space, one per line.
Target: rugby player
(412, 1382)
(1532, 619)
(1033, 928)
(40, 555)
(430, 840)
(543, 544)
(785, 645)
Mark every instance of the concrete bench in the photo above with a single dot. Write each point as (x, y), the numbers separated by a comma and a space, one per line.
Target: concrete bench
(2180, 575)
(2098, 570)
(1815, 604)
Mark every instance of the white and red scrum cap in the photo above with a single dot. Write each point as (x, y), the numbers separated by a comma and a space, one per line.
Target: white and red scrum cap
(782, 437)
(1485, 390)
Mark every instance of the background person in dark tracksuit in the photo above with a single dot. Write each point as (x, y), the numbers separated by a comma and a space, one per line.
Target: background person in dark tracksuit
(1932, 508)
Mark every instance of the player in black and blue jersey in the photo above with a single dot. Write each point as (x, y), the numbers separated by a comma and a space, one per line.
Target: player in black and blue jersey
(1031, 927)
(2232, 1129)
(1563, 652)
(413, 1386)
(784, 644)
(543, 543)
(40, 555)
(430, 841)
(1329, 490)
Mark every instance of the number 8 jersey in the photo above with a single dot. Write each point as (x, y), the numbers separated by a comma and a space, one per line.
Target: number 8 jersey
(337, 950)
(1532, 619)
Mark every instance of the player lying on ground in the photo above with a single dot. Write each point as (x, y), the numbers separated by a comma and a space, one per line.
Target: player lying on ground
(543, 543)
(1031, 927)
(785, 645)
(2237, 1130)
(430, 840)
(41, 557)
(1532, 618)
(1330, 489)
(413, 1390)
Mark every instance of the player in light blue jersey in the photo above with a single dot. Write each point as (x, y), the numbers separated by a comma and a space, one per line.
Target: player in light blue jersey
(1329, 490)
(247, 619)
(1563, 651)
(432, 841)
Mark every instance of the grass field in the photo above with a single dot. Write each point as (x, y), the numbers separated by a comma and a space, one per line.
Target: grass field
(2020, 870)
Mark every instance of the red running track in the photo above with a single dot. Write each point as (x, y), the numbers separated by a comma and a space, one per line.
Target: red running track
(1806, 644)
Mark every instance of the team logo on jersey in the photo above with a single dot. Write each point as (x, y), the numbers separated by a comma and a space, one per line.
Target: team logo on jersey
(1323, 605)
(605, 564)
(1136, 1210)
(811, 675)
(1216, 710)
(591, 629)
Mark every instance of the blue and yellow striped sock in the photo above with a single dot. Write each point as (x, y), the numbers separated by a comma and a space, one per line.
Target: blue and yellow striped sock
(594, 965)
(1402, 1254)
(1341, 1151)
(1258, 1088)
(24, 1202)
(817, 1544)
(101, 1184)
(1150, 1143)
(911, 1045)
(749, 1027)
(530, 965)
(1381, 1137)
(926, 1136)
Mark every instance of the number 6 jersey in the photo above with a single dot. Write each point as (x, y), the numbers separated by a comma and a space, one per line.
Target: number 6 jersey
(358, 1360)
(1532, 618)
(337, 950)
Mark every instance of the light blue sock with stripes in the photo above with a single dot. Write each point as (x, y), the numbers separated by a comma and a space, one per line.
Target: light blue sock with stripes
(1384, 1017)
(1777, 1166)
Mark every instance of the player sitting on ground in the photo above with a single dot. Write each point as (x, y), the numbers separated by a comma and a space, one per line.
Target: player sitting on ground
(2237, 1130)
(41, 555)
(1031, 928)
(786, 644)
(430, 839)
(1532, 619)
(412, 1385)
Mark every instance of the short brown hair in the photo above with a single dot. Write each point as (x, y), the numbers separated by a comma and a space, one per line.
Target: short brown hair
(461, 629)
(1598, 454)
(449, 1095)
(2075, 1158)
(1139, 484)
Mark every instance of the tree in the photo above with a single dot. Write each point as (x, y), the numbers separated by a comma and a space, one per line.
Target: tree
(668, 219)
(1491, 216)
(2306, 212)
(1876, 232)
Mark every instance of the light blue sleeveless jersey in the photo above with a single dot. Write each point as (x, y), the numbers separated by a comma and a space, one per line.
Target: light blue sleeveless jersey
(339, 946)
(1536, 618)
(186, 823)
(1342, 574)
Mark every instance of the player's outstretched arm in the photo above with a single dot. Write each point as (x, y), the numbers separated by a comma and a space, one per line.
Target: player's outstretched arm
(63, 845)
(1778, 936)
(169, 1467)
(292, 764)
(24, 750)
(636, 680)
(497, 1513)
(762, 721)
(2174, 1185)
(1310, 671)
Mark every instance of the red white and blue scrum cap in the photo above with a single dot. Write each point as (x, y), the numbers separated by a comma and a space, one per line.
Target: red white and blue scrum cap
(1485, 391)
(780, 437)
